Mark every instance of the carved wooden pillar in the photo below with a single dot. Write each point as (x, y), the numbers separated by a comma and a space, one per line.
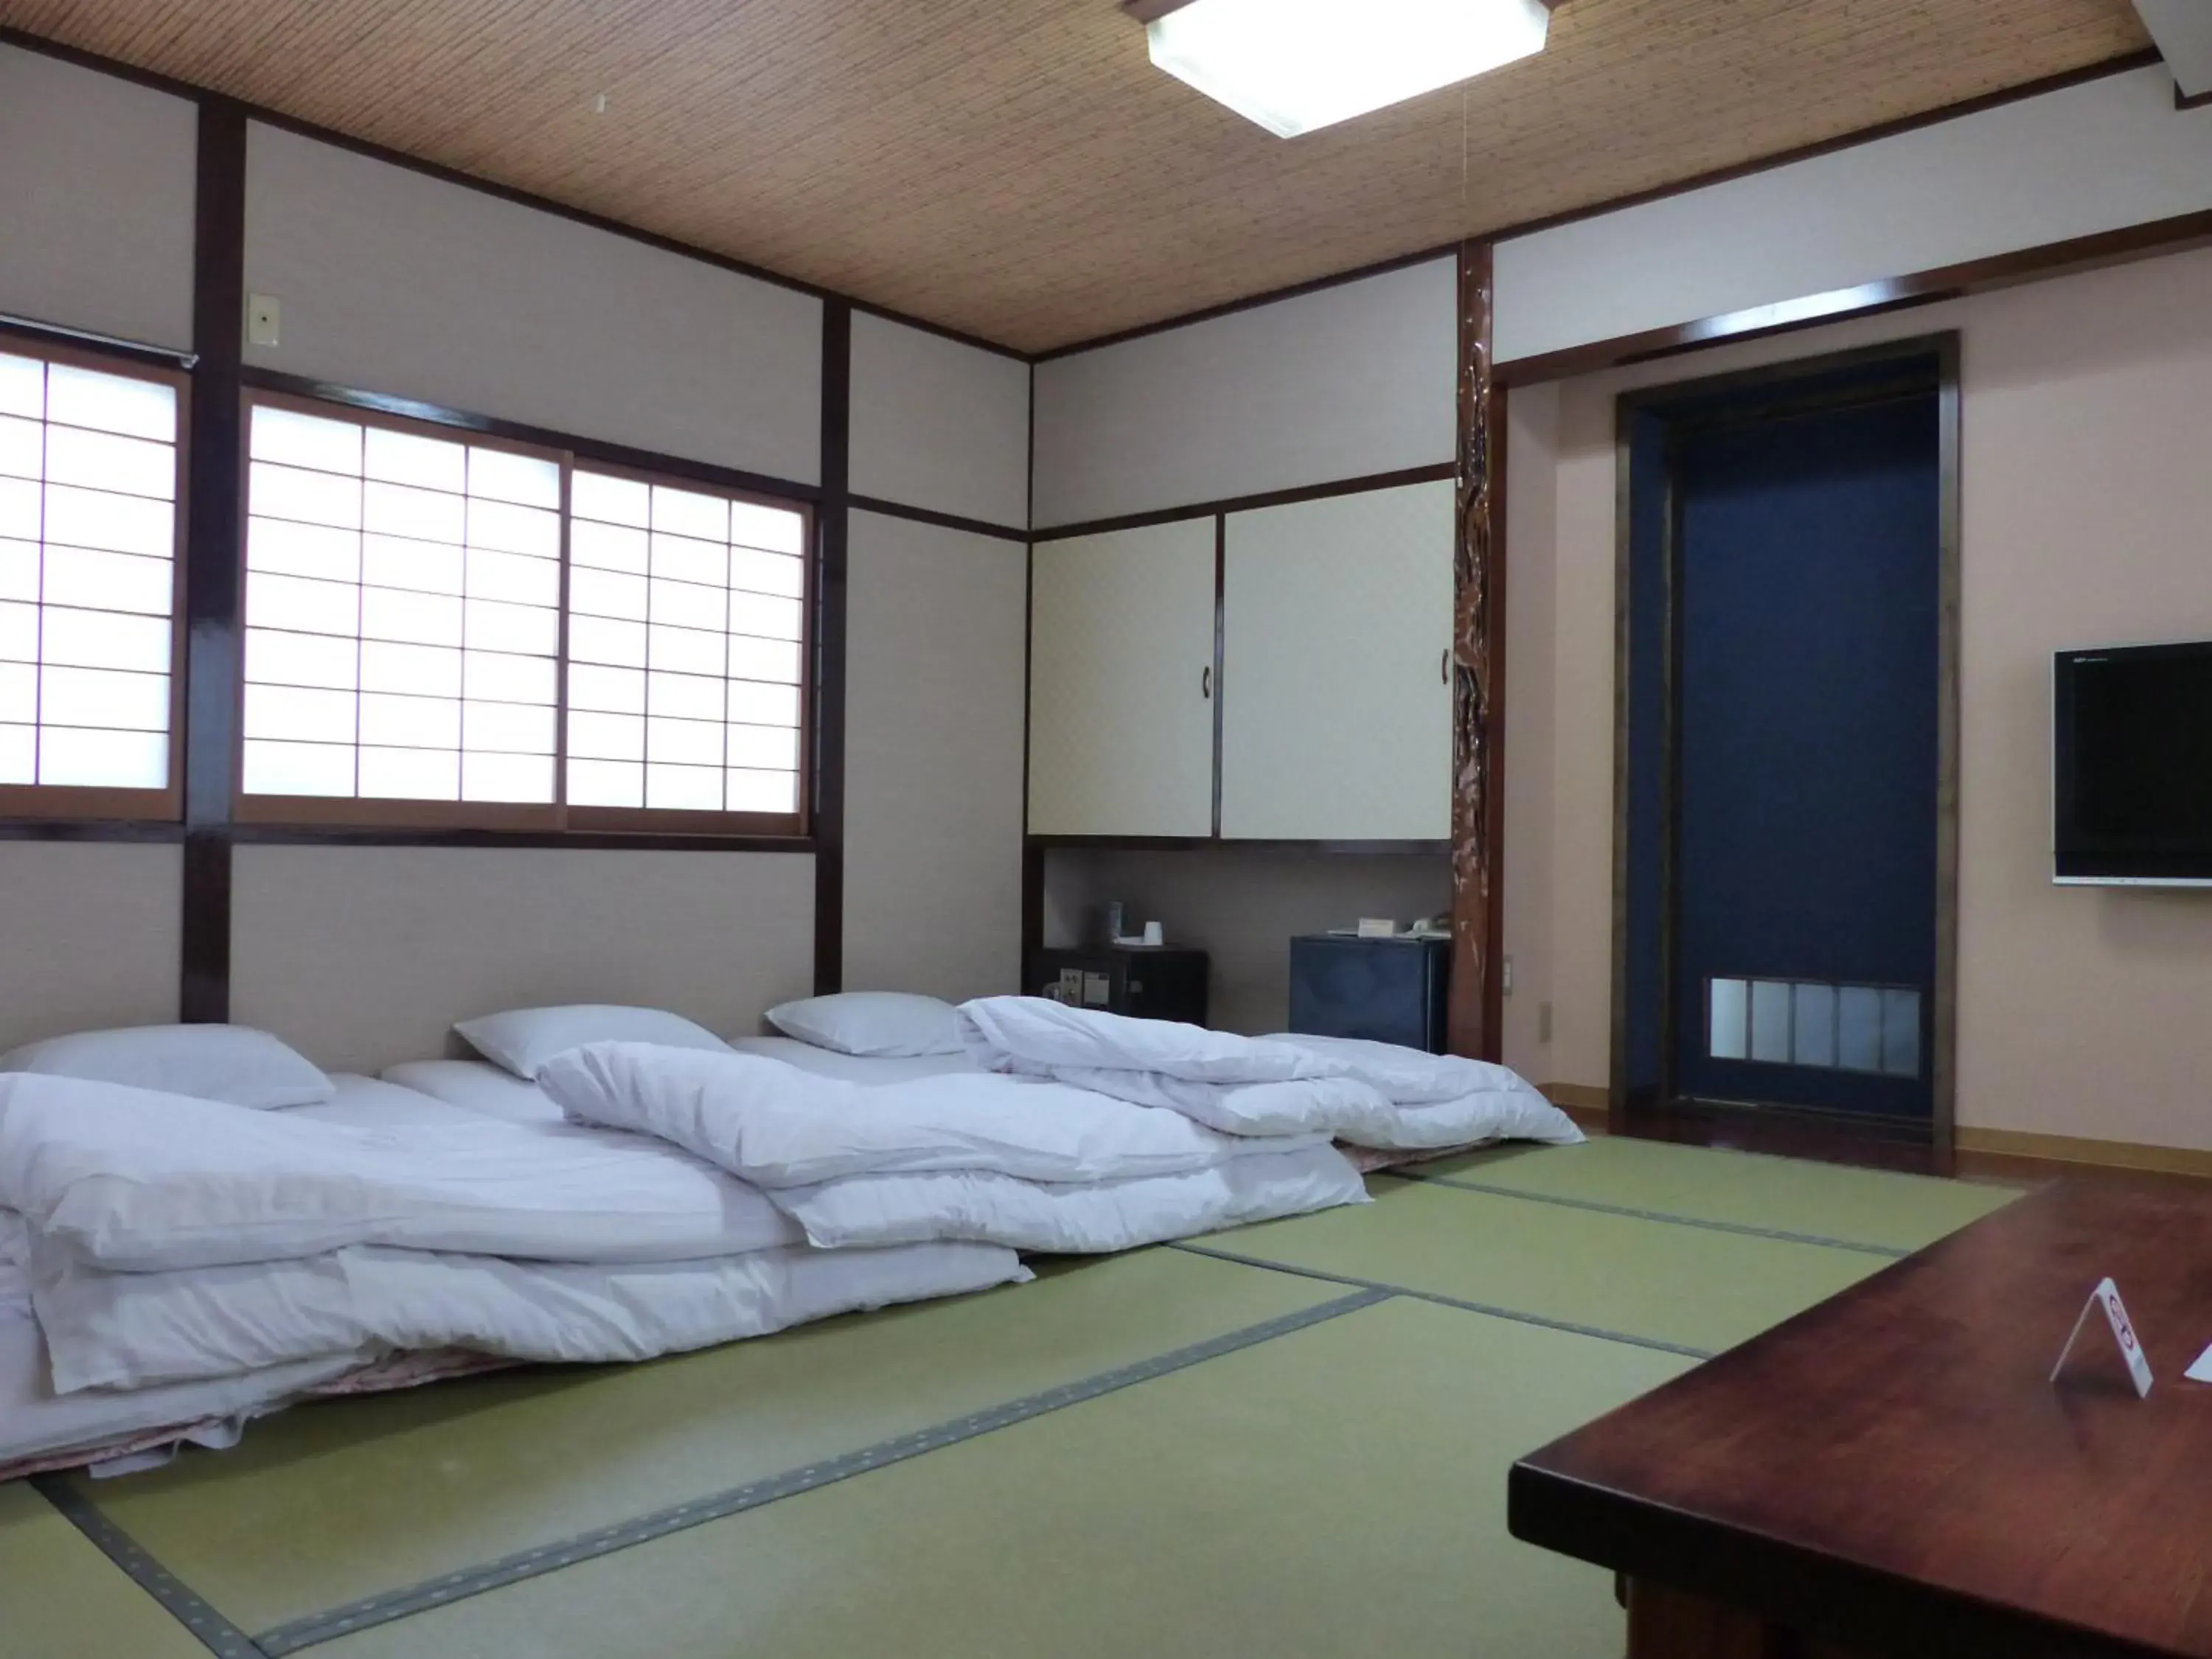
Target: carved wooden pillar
(1479, 682)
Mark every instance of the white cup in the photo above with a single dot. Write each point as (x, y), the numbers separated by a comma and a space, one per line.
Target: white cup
(1155, 934)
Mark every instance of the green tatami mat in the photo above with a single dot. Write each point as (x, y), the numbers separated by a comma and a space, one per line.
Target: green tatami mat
(60, 1598)
(1650, 1279)
(1336, 1492)
(1742, 1189)
(329, 1504)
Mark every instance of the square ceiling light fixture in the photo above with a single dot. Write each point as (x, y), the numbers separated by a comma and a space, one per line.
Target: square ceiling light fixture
(1294, 65)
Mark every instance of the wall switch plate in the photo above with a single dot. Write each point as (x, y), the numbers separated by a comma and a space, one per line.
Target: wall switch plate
(262, 322)
(1505, 976)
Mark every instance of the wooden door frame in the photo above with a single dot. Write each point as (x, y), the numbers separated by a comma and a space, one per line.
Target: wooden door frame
(1944, 350)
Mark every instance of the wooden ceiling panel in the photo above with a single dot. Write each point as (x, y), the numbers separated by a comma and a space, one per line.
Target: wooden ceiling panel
(1018, 169)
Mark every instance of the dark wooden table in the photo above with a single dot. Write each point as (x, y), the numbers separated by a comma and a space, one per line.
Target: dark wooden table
(1891, 1474)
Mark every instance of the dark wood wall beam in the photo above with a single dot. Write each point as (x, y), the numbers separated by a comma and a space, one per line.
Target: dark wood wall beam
(832, 520)
(215, 487)
(1479, 676)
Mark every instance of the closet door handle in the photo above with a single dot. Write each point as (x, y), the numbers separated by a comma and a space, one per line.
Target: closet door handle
(1206, 682)
(1445, 666)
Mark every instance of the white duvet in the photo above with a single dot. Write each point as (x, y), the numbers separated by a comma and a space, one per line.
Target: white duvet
(1370, 1094)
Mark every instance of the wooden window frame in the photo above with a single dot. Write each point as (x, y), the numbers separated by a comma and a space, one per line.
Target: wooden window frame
(557, 817)
(52, 802)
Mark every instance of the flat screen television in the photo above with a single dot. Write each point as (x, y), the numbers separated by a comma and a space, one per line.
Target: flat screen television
(2132, 766)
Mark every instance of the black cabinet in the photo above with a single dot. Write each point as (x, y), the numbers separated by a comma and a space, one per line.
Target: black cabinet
(1150, 981)
(1390, 990)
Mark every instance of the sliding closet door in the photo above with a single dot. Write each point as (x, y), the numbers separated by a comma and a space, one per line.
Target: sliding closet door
(1121, 682)
(1336, 710)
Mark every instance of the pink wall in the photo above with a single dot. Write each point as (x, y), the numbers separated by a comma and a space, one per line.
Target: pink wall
(2087, 473)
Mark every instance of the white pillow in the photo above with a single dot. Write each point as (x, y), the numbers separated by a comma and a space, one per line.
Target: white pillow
(883, 1024)
(522, 1040)
(233, 1063)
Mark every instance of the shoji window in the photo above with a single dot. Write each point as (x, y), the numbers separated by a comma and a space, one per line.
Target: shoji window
(89, 530)
(443, 629)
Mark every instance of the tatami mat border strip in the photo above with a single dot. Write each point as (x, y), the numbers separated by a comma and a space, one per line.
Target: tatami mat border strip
(1388, 1290)
(220, 1636)
(1744, 1228)
(530, 1564)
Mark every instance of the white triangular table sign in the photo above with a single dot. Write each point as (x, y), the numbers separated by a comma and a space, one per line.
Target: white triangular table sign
(2107, 1297)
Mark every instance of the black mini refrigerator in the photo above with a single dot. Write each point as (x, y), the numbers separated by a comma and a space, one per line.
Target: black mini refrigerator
(1389, 990)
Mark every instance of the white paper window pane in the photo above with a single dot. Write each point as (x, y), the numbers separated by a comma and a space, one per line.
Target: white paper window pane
(768, 572)
(688, 697)
(520, 627)
(773, 529)
(529, 479)
(422, 515)
(610, 500)
(510, 728)
(493, 676)
(19, 693)
(22, 511)
(686, 650)
(763, 659)
(686, 513)
(688, 743)
(683, 788)
(420, 567)
(605, 547)
(100, 460)
(79, 759)
(122, 523)
(300, 606)
(308, 440)
(675, 559)
(595, 639)
(764, 792)
(110, 582)
(410, 618)
(752, 703)
(606, 783)
(774, 619)
(402, 722)
(22, 386)
(111, 403)
(526, 778)
(98, 639)
(603, 594)
(1858, 1029)
(606, 737)
(514, 529)
(22, 448)
(513, 576)
(615, 690)
(429, 671)
(410, 774)
(296, 769)
(1900, 1033)
(1813, 1042)
(276, 659)
(1770, 1021)
(284, 492)
(102, 697)
(19, 632)
(19, 571)
(19, 754)
(763, 748)
(686, 604)
(303, 549)
(409, 457)
(299, 716)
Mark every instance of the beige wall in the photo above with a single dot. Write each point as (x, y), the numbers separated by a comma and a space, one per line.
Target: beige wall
(2087, 499)
(91, 936)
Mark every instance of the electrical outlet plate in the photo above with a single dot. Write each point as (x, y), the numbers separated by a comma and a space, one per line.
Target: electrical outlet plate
(264, 319)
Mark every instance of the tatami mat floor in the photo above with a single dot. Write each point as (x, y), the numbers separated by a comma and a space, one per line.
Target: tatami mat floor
(1287, 1440)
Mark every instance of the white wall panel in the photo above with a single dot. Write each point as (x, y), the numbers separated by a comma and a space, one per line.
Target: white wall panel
(939, 424)
(1342, 383)
(96, 201)
(362, 957)
(92, 937)
(2098, 156)
(933, 759)
(402, 283)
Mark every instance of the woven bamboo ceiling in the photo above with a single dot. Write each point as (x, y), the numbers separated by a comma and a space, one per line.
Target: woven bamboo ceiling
(1016, 168)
